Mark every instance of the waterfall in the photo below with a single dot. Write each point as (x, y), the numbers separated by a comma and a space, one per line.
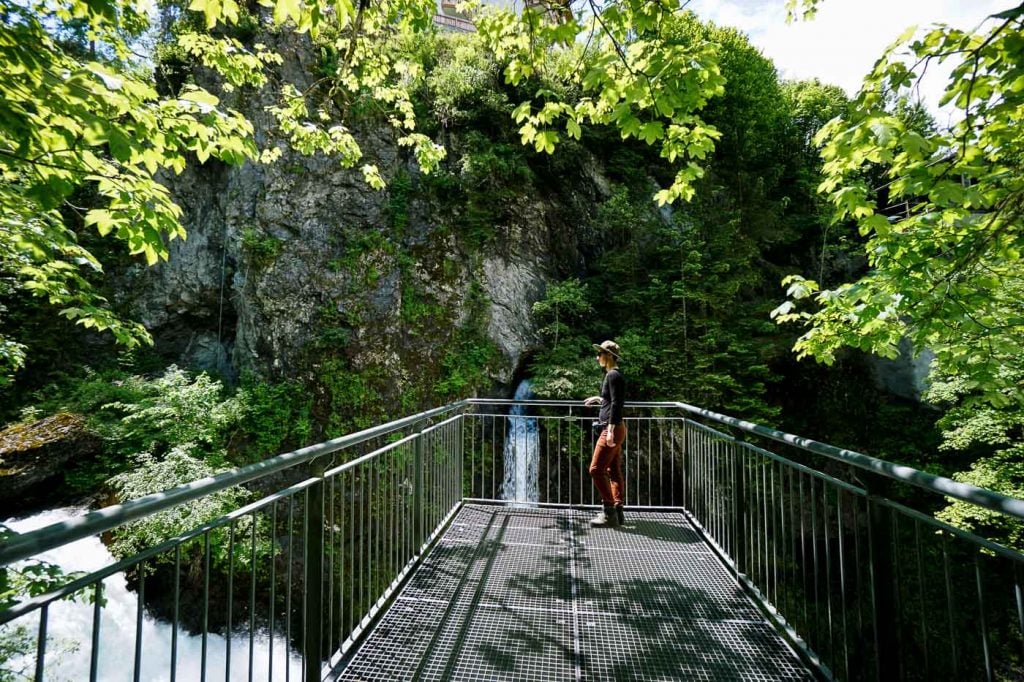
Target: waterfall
(522, 451)
(69, 628)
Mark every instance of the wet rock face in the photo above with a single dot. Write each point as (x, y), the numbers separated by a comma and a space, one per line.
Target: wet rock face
(35, 457)
(278, 253)
(513, 287)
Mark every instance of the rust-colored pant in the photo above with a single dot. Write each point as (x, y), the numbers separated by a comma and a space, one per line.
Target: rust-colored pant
(606, 467)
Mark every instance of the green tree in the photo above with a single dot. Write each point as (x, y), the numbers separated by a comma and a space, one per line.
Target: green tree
(833, 247)
(997, 434)
(562, 309)
(71, 118)
(687, 288)
(564, 368)
(945, 268)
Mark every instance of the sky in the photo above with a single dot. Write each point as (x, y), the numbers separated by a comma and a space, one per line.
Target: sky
(843, 41)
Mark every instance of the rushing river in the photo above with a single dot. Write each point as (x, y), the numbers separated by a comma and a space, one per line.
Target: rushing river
(70, 630)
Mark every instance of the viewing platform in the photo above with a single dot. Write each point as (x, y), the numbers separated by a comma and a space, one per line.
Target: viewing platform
(538, 594)
(455, 544)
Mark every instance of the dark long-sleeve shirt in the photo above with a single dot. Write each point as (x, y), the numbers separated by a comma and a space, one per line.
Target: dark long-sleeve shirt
(613, 390)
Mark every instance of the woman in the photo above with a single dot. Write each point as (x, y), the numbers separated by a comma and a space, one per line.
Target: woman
(606, 465)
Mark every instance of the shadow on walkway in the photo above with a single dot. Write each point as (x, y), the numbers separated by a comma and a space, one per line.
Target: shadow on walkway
(538, 594)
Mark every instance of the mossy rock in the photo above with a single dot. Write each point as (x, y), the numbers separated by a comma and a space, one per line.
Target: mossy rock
(35, 456)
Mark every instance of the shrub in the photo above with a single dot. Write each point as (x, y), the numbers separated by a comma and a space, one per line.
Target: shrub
(152, 474)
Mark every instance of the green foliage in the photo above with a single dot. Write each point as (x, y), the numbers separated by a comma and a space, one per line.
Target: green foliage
(487, 180)
(273, 418)
(1004, 473)
(630, 75)
(562, 309)
(943, 240)
(260, 249)
(15, 640)
(74, 117)
(564, 367)
(172, 429)
(995, 433)
(17, 583)
(166, 412)
(466, 365)
(135, 413)
(366, 251)
(418, 308)
(679, 290)
(29, 579)
(70, 118)
(567, 374)
(398, 202)
(354, 399)
(151, 474)
(747, 114)
(811, 105)
(464, 82)
(685, 291)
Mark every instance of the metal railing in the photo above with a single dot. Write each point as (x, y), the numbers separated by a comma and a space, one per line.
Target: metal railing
(453, 23)
(827, 540)
(836, 545)
(308, 565)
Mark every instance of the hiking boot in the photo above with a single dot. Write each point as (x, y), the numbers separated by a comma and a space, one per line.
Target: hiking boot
(620, 516)
(606, 517)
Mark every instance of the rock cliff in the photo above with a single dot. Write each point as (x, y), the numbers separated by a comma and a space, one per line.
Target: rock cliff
(290, 263)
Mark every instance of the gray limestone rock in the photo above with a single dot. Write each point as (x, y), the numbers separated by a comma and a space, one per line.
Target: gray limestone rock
(278, 253)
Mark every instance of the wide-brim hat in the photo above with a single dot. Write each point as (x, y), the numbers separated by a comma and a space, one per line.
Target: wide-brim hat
(609, 347)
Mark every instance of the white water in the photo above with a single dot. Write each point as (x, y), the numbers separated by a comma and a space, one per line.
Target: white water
(522, 451)
(69, 627)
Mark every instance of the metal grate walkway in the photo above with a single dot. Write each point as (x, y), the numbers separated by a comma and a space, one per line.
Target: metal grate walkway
(538, 594)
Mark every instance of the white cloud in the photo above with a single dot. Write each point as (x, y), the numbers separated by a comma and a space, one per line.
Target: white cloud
(843, 41)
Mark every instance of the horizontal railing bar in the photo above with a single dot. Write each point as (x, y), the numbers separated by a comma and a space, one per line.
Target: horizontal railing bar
(714, 432)
(939, 484)
(568, 403)
(29, 544)
(572, 417)
(814, 473)
(342, 468)
(569, 505)
(435, 427)
(1001, 550)
(563, 403)
(85, 581)
(931, 482)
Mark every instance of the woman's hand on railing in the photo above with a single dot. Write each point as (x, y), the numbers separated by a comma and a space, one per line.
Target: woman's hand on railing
(594, 400)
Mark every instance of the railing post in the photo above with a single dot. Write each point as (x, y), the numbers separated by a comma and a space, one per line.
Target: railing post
(685, 466)
(882, 581)
(460, 453)
(739, 509)
(417, 496)
(314, 578)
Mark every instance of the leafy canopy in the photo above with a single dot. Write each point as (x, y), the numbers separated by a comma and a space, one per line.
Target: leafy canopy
(944, 233)
(74, 118)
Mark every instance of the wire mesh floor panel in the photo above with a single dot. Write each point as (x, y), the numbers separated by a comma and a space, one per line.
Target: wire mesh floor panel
(643, 648)
(647, 534)
(538, 594)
